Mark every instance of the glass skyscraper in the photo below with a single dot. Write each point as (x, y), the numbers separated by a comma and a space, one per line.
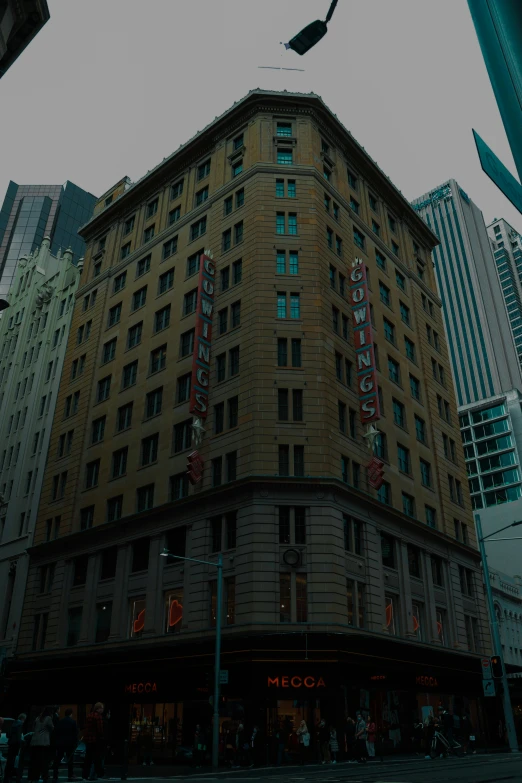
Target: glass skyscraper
(506, 244)
(30, 212)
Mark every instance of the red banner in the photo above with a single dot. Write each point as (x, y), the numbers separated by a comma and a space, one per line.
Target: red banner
(202, 338)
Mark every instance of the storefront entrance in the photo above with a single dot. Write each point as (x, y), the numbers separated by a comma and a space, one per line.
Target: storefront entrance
(156, 731)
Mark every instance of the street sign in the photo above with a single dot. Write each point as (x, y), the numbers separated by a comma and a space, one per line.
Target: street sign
(223, 677)
(489, 687)
(500, 175)
(486, 669)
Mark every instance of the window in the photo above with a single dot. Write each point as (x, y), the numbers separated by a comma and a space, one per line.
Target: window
(149, 449)
(352, 418)
(98, 429)
(285, 598)
(129, 375)
(295, 306)
(282, 404)
(169, 248)
(204, 170)
(284, 129)
(152, 208)
(183, 388)
(92, 472)
(190, 302)
(217, 471)
(124, 417)
(284, 157)
(158, 359)
(166, 281)
(354, 205)
(414, 561)
(221, 362)
(240, 196)
(395, 248)
(292, 223)
(431, 516)
(237, 271)
(358, 238)
(143, 266)
(235, 313)
(104, 387)
(182, 435)
(162, 319)
(420, 429)
(352, 180)
(148, 234)
(388, 551)
(134, 335)
(114, 510)
(333, 273)
(393, 370)
(352, 529)
(281, 304)
(389, 330)
(403, 458)
(201, 195)
(405, 313)
(409, 346)
(291, 189)
(336, 211)
(119, 462)
(109, 351)
(233, 361)
(472, 632)
(139, 298)
(466, 581)
(193, 262)
(187, 343)
(145, 498)
(199, 228)
(341, 409)
(179, 488)
(176, 190)
(231, 465)
(408, 505)
(327, 173)
(233, 412)
(237, 168)
(415, 388)
(425, 469)
(400, 280)
(74, 622)
(86, 517)
(124, 252)
(114, 314)
(219, 418)
(284, 460)
(128, 226)
(384, 294)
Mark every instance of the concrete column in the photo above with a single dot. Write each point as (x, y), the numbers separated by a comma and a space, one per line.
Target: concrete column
(429, 600)
(154, 593)
(86, 630)
(120, 609)
(405, 591)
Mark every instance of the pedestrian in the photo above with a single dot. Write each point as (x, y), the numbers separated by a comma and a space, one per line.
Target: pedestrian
(418, 736)
(350, 739)
(14, 744)
(66, 740)
(254, 753)
(146, 745)
(447, 725)
(304, 741)
(371, 736)
(40, 746)
(280, 744)
(468, 734)
(93, 739)
(324, 741)
(361, 734)
(334, 745)
(106, 750)
(240, 746)
(198, 746)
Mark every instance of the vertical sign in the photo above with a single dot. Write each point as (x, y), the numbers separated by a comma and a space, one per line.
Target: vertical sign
(202, 338)
(363, 339)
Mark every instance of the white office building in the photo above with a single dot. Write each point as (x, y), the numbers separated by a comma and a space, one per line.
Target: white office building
(33, 337)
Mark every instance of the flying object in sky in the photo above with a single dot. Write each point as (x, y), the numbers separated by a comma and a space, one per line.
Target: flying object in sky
(311, 34)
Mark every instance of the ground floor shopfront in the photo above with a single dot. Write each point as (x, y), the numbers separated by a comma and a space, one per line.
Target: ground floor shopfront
(158, 694)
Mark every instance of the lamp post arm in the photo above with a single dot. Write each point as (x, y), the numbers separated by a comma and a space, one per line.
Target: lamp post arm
(190, 559)
(513, 524)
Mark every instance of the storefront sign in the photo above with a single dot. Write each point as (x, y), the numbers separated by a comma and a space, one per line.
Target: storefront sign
(429, 682)
(363, 340)
(296, 682)
(375, 469)
(141, 687)
(202, 338)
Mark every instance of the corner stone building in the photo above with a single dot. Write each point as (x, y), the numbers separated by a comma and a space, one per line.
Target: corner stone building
(335, 597)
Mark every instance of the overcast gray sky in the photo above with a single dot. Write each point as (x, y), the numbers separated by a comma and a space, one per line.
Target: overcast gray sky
(109, 88)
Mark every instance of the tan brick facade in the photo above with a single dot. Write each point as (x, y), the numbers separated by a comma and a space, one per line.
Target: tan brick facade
(316, 140)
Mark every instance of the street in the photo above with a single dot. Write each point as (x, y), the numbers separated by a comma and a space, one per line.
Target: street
(478, 769)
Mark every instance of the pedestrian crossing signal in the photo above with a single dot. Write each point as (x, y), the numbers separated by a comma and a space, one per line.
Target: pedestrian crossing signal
(496, 667)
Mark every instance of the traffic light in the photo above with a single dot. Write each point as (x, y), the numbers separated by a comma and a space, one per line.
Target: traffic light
(496, 667)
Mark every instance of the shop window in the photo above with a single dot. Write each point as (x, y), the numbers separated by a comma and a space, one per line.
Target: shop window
(137, 623)
(103, 621)
(174, 610)
(390, 615)
(108, 563)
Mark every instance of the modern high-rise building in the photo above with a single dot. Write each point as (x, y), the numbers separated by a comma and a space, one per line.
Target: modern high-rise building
(245, 309)
(506, 245)
(31, 212)
(33, 336)
(480, 339)
(20, 21)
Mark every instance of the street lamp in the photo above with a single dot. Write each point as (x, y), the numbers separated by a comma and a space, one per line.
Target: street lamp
(217, 657)
(497, 644)
(311, 34)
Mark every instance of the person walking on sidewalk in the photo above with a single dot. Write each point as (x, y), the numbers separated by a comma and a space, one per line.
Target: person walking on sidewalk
(350, 739)
(13, 746)
(334, 745)
(304, 741)
(324, 741)
(361, 735)
(40, 746)
(66, 740)
(93, 738)
(371, 728)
